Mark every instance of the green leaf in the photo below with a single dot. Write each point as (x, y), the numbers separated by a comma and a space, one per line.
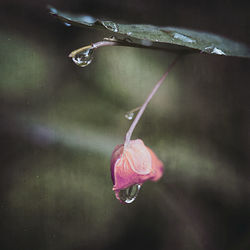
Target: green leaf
(166, 38)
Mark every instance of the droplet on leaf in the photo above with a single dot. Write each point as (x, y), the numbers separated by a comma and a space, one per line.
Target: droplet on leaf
(110, 26)
(89, 19)
(67, 24)
(214, 50)
(183, 38)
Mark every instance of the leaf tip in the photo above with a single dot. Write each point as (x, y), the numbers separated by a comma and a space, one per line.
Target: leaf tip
(52, 10)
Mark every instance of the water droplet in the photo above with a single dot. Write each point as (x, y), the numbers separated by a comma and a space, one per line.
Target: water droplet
(218, 51)
(214, 50)
(67, 24)
(129, 33)
(183, 38)
(129, 194)
(129, 115)
(89, 19)
(111, 26)
(83, 58)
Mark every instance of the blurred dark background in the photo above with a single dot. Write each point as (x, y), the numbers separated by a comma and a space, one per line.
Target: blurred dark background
(60, 123)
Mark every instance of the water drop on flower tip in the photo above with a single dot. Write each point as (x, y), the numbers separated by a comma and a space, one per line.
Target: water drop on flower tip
(129, 194)
(83, 58)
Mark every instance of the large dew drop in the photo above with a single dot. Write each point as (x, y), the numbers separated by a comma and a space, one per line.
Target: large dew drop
(83, 58)
(129, 194)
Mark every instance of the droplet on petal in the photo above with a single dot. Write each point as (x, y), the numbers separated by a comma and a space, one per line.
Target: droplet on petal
(129, 194)
(131, 166)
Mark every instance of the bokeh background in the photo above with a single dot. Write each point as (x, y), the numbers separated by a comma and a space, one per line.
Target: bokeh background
(59, 124)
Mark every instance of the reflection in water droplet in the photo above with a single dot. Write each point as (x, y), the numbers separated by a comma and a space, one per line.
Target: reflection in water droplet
(218, 51)
(183, 38)
(83, 58)
(67, 24)
(214, 50)
(129, 194)
(111, 26)
(129, 115)
(88, 19)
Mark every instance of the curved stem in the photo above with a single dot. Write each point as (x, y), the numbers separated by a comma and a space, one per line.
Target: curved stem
(93, 46)
(133, 110)
(143, 107)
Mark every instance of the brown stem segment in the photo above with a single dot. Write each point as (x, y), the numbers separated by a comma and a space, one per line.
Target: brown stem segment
(93, 46)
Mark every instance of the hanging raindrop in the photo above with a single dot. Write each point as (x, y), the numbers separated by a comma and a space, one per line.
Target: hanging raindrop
(129, 115)
(83, 58)
(129, 194)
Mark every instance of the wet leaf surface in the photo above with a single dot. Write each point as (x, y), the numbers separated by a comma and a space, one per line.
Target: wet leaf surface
(166, 38)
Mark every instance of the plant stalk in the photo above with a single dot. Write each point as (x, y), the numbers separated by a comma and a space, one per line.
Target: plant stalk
(143, 107)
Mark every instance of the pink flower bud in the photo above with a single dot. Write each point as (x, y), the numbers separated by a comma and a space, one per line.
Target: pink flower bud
(131, 166)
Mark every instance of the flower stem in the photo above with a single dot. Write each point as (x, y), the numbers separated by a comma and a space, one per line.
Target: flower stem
(143, 107)
(93, 46)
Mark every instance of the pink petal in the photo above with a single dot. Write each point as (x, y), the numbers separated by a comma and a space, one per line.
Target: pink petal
(134, 165)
